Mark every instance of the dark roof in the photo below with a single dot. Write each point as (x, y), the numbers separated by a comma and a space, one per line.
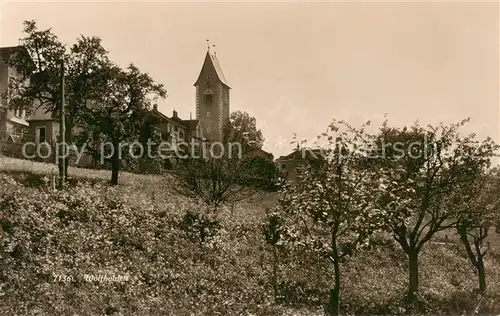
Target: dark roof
(161, 115)
(7, 51)
(178, 120)
(300, 154)
(191, 124)
(212, 59)
(261, 152)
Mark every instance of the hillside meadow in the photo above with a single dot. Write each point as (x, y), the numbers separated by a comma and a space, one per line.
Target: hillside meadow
(51, 239)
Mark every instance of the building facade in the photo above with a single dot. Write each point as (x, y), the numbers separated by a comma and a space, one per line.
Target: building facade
(289, 165)
(212, 111)
(13, 124)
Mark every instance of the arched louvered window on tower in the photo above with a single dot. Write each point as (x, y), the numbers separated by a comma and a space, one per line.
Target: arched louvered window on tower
(208, 97)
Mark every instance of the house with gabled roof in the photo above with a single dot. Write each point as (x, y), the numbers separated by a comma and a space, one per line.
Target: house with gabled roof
(289, 165)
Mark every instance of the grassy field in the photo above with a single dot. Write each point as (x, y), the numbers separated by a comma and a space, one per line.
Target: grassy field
(14, 165)
(493, 239)
(51, 239)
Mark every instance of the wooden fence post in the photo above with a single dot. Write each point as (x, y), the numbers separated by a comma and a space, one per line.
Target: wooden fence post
(53, 182)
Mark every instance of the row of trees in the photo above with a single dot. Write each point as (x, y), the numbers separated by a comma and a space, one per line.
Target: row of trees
(410, 183)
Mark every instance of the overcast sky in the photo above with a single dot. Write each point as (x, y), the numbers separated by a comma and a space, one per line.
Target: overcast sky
(295, 66)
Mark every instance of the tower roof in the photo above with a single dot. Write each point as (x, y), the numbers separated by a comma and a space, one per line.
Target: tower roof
(211, 59)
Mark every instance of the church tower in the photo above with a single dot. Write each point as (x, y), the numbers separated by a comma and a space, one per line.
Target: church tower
(212, 98)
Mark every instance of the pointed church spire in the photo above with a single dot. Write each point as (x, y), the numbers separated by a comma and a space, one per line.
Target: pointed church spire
(212, 62)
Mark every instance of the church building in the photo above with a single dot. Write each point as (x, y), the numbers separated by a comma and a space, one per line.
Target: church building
(212, 108)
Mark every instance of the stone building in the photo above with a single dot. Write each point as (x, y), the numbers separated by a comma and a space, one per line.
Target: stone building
(212, 98)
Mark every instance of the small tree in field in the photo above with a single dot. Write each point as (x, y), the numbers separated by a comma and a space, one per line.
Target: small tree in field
(430, 164)
(274, 234)
(479, 206)
(332, 202)
(120, 113)
(213, 180)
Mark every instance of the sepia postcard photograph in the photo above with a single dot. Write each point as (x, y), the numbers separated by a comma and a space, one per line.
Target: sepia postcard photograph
(296, 158)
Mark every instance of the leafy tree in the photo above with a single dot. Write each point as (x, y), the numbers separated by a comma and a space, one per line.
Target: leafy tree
(429, 164)
(479, 205)
(242, 128)
(332, 202)
(147, 132)
(39, 83)
(120, 114)
(38, 69)
(260, 172)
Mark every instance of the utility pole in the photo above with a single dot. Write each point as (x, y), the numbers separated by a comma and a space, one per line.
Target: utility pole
(62, 134)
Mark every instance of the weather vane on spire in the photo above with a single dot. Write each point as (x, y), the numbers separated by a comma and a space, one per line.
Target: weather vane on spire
(208, 44)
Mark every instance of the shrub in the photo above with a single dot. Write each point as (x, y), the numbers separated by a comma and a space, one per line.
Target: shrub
(200, 227)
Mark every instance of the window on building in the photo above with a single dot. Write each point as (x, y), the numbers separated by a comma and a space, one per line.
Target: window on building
(208, 129)
(181, 134)
(18, 130)
(41, 134)
(208, 97)
(283, 166)
(208, 114)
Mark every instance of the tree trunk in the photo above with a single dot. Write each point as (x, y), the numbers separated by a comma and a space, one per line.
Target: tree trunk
(481, 274)
(68, 138)
(115, 167)
(334, 305)
(475, 258)
(275, 273)
(413, 275)
(61, 172)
